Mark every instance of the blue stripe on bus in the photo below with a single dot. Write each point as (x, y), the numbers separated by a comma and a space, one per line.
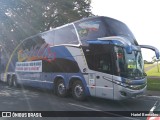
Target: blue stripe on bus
(62, 52)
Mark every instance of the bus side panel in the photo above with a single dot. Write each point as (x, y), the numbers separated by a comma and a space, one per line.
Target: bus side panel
(79, 57)
(31, 79)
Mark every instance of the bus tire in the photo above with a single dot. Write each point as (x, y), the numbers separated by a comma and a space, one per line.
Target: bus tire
(61, 88)
(9, 81)
(78, 91)
(14, 79)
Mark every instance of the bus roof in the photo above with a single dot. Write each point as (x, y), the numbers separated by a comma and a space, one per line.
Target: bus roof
(95, 17)
(78, 21)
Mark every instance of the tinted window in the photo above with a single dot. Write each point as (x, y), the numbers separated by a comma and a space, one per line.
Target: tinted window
(65, 35)
(117, 28)
(61, 65)
(91, 29)
(104, 27)
(34, 42)
(99, 62)
(99, 58)
(103, 62)
(30, 48)
(48, 37)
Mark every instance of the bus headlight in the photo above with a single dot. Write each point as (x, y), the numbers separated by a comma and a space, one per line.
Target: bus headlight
(136, 87)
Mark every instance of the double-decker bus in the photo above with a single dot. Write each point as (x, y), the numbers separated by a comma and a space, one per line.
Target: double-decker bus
(97, 56)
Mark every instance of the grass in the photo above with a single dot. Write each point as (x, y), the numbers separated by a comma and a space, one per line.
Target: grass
(154, 71)
(153, 84)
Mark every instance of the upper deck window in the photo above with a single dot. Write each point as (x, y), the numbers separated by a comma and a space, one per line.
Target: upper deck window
(117, 28)
(48, 37)
(65, 35)
(91, 29)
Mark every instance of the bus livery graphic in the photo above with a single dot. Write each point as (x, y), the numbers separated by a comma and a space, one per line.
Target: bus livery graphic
(36, 53)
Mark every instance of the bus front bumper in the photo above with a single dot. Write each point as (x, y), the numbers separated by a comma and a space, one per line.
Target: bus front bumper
(121, 93)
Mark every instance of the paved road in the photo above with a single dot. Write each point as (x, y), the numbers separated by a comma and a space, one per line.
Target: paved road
(29, 99)
(150, 67)
(154, 77)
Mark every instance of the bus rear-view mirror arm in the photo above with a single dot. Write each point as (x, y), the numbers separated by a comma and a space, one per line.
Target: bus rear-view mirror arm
(152, 48)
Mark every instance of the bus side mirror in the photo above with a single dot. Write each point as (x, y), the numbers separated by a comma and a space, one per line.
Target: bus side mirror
(152, 48)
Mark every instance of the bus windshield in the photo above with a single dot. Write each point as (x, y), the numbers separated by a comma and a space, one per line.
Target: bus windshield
(129, 65)
(117, 28)
(92, 29)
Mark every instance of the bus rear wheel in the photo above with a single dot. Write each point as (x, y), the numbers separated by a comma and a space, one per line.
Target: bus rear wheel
(78, 91)
(9, 81)
(60, 88)
(14, 79)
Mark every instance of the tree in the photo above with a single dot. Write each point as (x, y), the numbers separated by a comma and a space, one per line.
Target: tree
(154, 59)
(23, 18)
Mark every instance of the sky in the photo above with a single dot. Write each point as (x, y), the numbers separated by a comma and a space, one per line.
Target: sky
(141, 16)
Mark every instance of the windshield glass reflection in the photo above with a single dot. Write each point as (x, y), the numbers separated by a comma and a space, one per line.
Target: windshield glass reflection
(129, 65)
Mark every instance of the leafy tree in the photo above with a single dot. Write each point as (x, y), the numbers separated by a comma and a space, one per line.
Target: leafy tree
(154, 59)
(67, 11)
(22, 18)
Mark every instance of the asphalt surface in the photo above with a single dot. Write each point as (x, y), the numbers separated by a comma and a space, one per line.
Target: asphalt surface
(150, 67)
(154, 77)
(29, 99)
(153, 93)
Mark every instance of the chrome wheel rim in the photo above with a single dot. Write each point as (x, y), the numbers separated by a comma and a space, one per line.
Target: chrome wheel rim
(78, 90)
(61, 88)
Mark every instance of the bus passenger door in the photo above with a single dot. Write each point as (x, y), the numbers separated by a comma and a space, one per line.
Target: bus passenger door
(88, 75)
(104, 84)
(100, 61)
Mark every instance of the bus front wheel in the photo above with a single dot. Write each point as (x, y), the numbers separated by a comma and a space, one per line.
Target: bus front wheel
(78, 91)
(61, 89)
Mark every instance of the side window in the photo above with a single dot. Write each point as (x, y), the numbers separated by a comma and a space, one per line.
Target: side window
(29, 48)
(100, 58)
(24, 49)
(99, 62)
(49, 37)
(33, 43)
(65, 35)
(91, 29)
(103, 63)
